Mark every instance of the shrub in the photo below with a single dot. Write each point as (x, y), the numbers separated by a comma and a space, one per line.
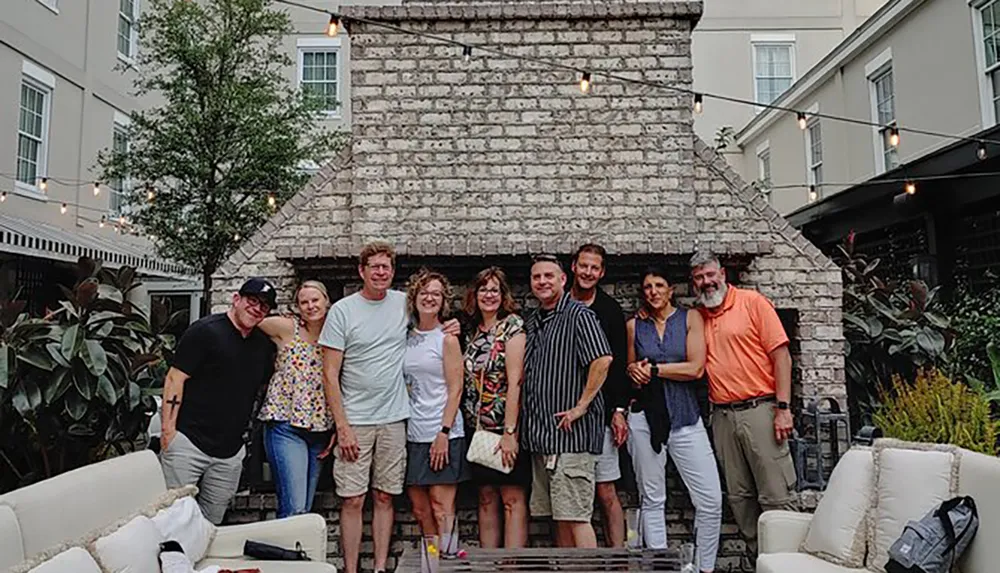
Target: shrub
(976, 320)
(934, 409)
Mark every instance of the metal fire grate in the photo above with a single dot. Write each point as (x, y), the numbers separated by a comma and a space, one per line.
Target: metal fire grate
(544, 559)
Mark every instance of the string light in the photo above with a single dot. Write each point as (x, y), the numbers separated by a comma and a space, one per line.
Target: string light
(150, 195)
(894, 136)
(97, 188)
(271, 202)
(103, 219)
(333, 27)
(44, 184)
(813, 195)
(698, 105)
(911, 188)
(467, 53)
(981, 151)
(3, 196)
(63, 209)
(585, 82)
(801, 117)
(236, 237)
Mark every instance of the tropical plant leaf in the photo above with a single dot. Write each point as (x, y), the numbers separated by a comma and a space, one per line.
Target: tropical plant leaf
(111, 293)
(76, 406)
(32, 392)
(94, 357)
(875, 327)
(931, 341)
(134, 395)
(37, 358)
(106, 390)
(82, 383)
(69, 341)
(57, 386)
(80, 431)
(937, 320)
(55, 351)
(103, 330)
(858, 322)
(19, 399)
(4, 356)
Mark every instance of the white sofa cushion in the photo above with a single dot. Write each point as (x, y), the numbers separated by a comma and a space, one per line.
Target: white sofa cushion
(11, 550)
(979, 477)
(799, 563)
(133, 548)
(73, 560)
(72, 505)
(184, 522)
(910, 480)
(837, 531)
(268, 566)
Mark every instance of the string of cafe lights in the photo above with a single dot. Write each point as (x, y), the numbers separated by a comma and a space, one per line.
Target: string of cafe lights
(587, 81)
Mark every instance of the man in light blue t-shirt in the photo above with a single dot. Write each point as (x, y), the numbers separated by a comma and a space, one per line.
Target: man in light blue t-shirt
(364, 340)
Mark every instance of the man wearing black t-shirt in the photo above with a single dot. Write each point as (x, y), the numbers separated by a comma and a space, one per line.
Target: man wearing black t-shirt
(221, 362)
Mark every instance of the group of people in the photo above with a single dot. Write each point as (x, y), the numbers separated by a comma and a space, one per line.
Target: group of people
(398, 391)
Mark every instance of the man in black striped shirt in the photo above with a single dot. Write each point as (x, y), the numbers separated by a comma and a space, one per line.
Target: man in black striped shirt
(566, 361)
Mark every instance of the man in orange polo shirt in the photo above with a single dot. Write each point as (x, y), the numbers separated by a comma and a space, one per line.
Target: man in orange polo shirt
(750, 385)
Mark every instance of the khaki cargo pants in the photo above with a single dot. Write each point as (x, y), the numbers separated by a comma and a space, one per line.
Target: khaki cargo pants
(759, 473)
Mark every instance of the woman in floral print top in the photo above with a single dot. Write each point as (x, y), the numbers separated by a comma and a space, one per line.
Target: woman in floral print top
(494, 363)
(297, 423)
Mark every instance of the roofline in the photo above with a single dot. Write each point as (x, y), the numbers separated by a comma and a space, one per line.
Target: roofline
(500, 10)
(870, 191)
(864, 36)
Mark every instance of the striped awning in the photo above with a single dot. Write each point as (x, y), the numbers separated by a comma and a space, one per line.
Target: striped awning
(34, 239)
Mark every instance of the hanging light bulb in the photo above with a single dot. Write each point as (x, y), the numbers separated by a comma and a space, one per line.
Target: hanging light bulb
(813, 195)
(585, 82)
(698, 106)
(236, 237)
(802, 120)
(911, 188)
(3, 196)
(271, 201)
(981, 151)
(97, 188)
(63, 208)
(333, 27)
(467, 53)
(103, 219)
(44, 184)
(150, 194)
(894, 136)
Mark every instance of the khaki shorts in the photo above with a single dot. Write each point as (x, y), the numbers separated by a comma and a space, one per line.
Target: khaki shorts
(565, 493)
(382, 456)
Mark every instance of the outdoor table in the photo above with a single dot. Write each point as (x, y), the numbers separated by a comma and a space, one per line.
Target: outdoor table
(545, 559)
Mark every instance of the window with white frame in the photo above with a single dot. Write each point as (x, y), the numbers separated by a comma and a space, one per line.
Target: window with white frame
(37, 86)
(883, 93)
(989, 16)
(774, 69)
(319, 72)
(764, 171)
(117, 188)
(128, 36)
(814, 152)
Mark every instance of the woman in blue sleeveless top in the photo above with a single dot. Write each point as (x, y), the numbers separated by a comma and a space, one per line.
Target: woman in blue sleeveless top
(666, 363)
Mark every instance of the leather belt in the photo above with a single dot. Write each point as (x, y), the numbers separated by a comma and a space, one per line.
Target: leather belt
(745, 404)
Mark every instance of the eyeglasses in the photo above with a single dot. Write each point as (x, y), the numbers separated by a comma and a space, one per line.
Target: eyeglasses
(488, 291)
(254, 302)
(380, 267)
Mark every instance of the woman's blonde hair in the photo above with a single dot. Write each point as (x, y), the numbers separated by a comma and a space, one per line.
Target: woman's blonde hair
(313, 284)
(418, 281)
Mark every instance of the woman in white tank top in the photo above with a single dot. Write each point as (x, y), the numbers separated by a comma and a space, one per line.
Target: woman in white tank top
(435, 436)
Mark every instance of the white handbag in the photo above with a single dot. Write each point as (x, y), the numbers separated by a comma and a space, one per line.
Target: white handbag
(483, 449)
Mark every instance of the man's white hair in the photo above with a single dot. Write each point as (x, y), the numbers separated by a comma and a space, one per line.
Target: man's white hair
(703, 258)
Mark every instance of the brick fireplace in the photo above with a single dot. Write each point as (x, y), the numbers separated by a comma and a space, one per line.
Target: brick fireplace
(466, 164)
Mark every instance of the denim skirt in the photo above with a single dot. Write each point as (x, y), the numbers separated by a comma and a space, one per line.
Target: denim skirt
(418, 464)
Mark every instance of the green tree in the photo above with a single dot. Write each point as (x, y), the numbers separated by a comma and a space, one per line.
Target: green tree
(222, 141)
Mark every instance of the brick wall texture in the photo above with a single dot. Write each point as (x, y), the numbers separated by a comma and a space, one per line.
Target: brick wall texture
(467, 163)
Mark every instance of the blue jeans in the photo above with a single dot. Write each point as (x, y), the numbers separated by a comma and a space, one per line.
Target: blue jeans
(295, 465)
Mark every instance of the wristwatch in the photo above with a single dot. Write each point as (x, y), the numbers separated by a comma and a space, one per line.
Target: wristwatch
(620, 410)
(510, 430)
(653, 372)
(782, 405)
(445, 430)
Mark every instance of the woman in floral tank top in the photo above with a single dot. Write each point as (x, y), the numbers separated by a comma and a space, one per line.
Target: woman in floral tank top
(297, 423)
(494, 363)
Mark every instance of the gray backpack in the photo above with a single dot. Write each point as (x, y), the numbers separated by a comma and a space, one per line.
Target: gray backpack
(934, 544)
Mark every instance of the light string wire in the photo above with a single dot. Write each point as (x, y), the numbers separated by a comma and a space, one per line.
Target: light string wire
(587, 75)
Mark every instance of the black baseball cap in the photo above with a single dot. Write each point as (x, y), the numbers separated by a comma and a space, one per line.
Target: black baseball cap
(261, 289)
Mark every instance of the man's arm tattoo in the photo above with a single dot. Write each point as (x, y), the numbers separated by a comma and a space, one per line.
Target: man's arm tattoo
(174, 402)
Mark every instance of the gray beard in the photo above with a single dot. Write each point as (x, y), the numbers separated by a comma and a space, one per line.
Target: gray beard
(713, 300)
